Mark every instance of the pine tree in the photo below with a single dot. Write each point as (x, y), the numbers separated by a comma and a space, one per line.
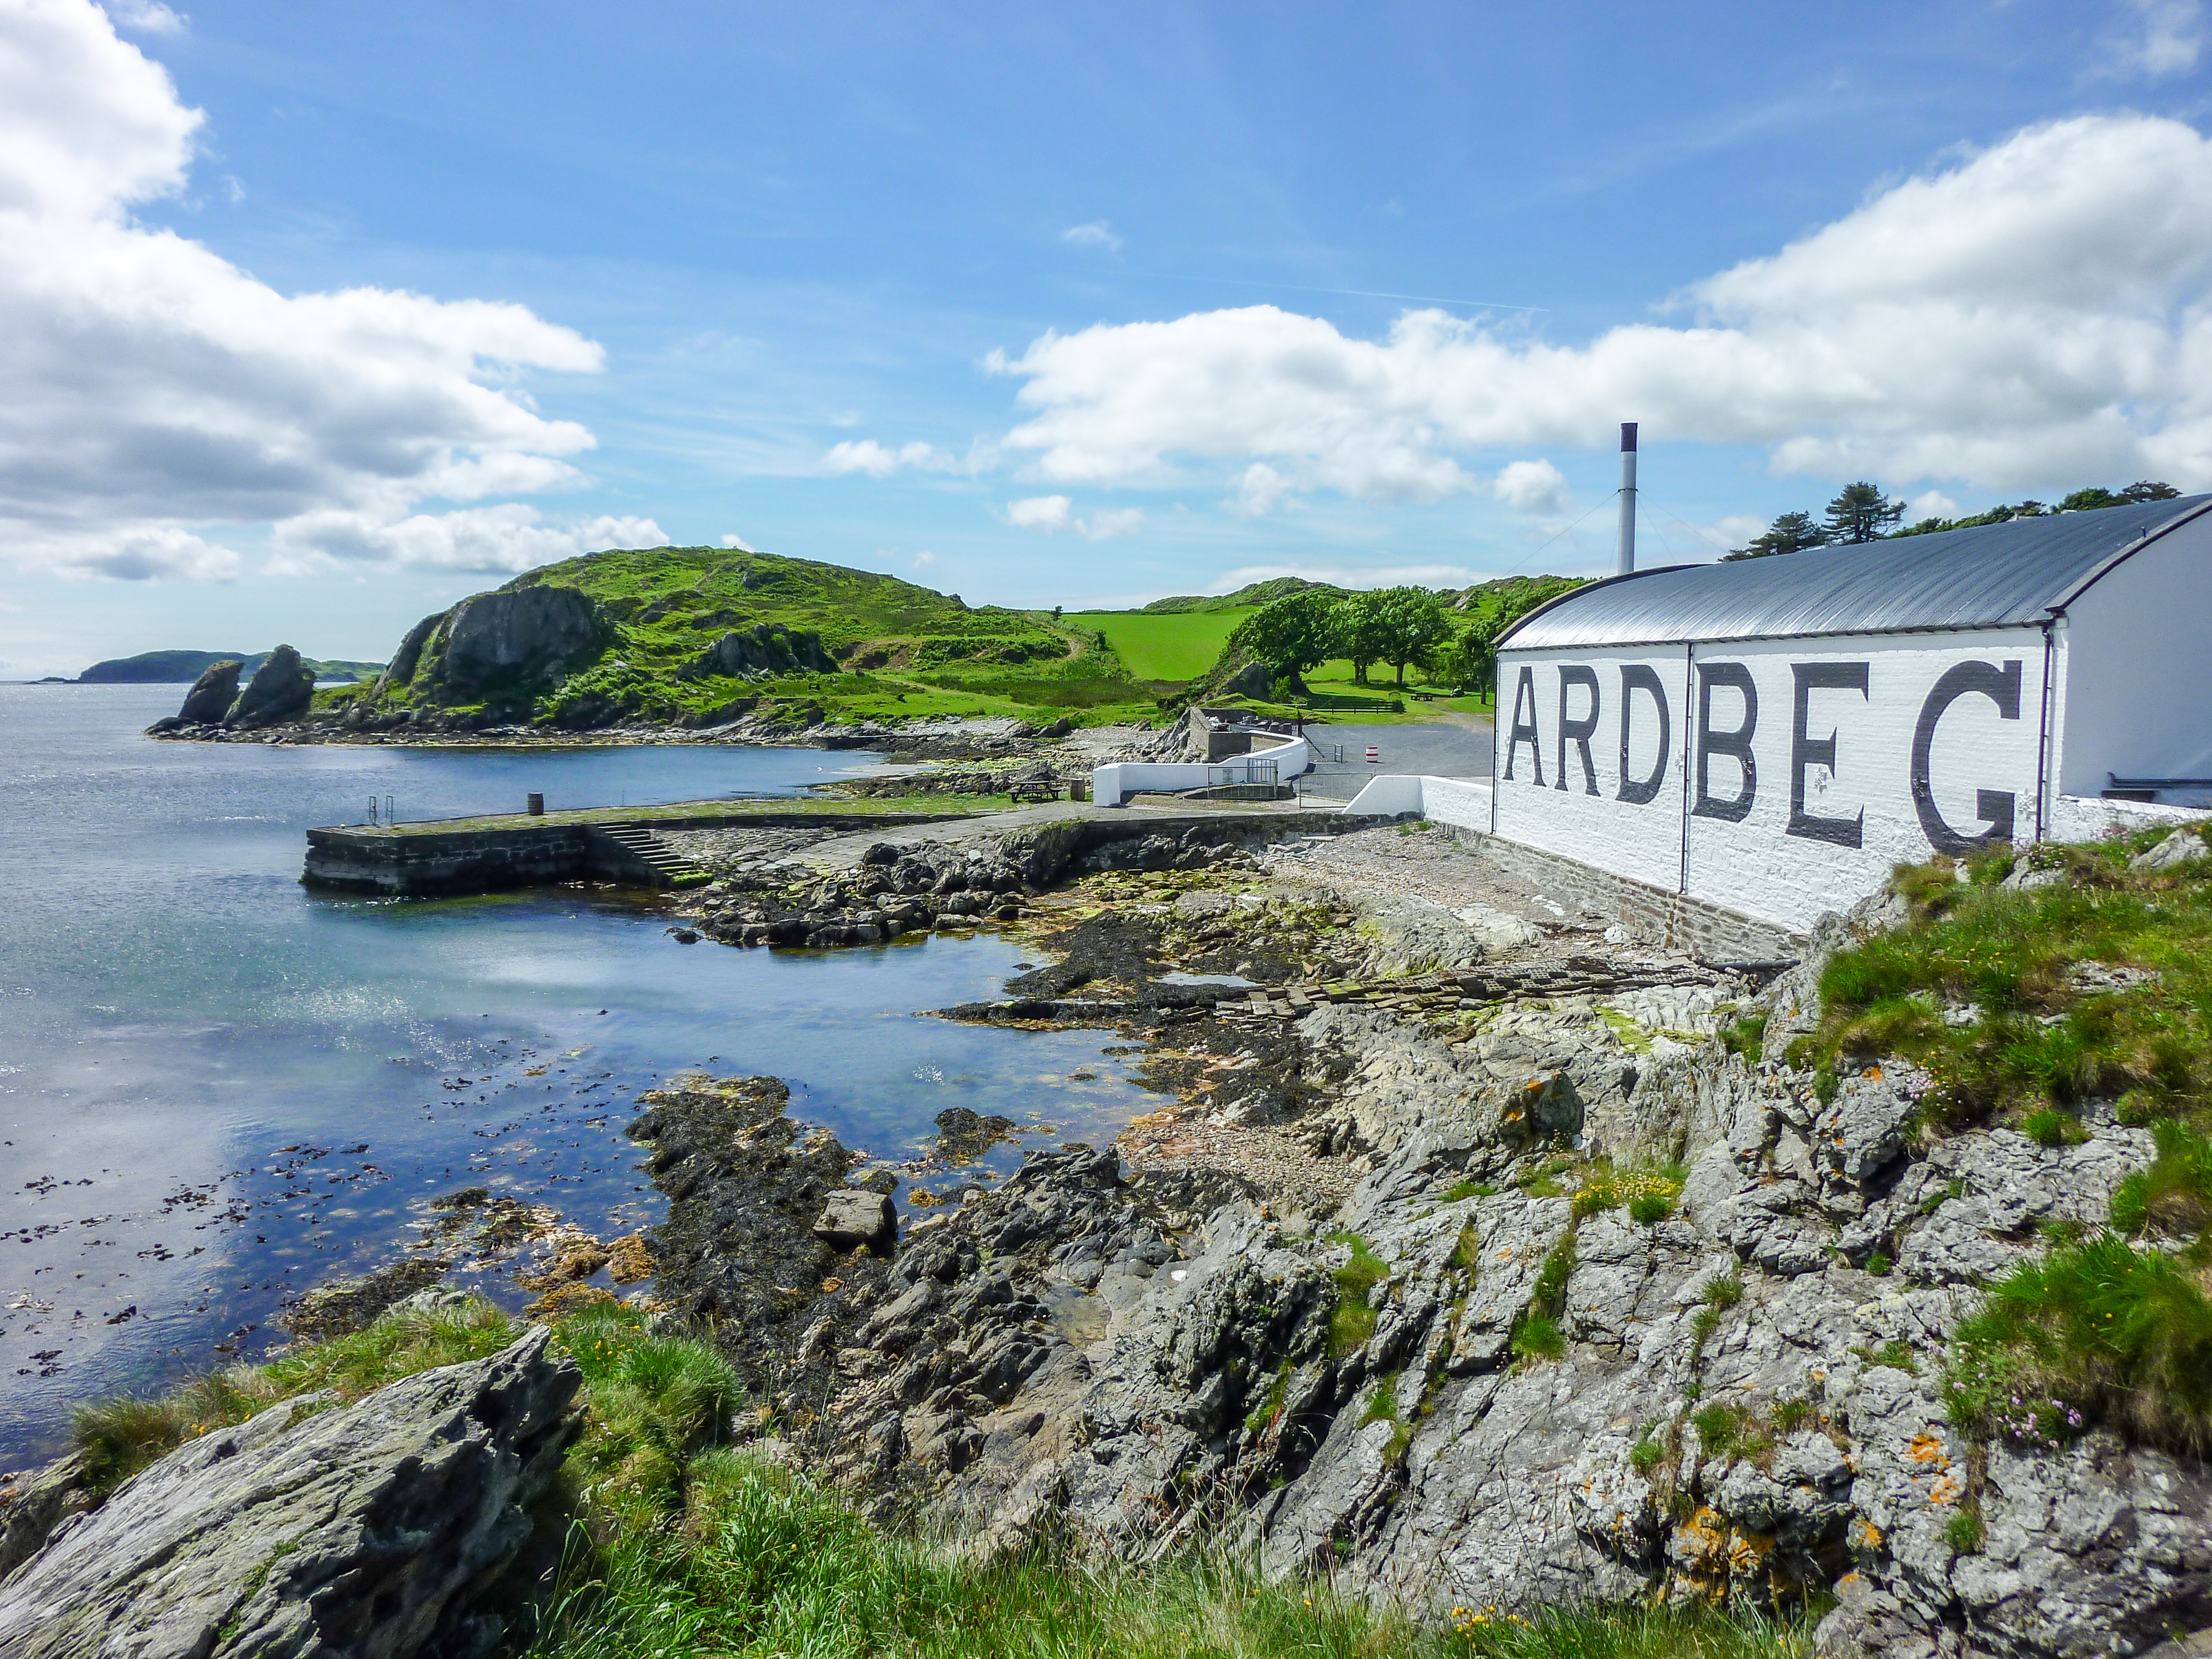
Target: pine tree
(1862, 514)
(1793, 532)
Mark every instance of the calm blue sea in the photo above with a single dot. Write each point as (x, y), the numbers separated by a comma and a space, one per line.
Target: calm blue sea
(217, 1087)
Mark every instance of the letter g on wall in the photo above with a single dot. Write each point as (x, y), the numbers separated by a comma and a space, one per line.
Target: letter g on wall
(1997, 808)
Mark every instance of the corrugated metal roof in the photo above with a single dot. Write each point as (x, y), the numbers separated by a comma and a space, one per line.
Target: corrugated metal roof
(1988, 576)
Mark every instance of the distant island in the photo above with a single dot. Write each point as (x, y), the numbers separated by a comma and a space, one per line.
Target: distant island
(183, 667)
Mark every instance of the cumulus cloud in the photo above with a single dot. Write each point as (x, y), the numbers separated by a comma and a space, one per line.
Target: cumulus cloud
(146, 17)
(923, 561)
(1097, 234)
(150, 389)
(1930, 504)
(1531, 487)
(508, 536)
(2157, 38)
(733, 539)
(878, 460)
(1053, 513)
(2040, 309)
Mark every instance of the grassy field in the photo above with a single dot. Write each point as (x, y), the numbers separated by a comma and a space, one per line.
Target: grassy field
(1171, 646)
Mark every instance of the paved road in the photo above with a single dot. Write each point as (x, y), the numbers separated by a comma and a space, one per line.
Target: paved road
(1444, 752)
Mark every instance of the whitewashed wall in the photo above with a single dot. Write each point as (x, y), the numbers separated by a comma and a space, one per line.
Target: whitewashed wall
(1548, 798)
(1110, 784)
(2136, 696)
(1827, 803)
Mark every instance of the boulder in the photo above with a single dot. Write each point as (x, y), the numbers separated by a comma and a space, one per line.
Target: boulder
(311, 1529)
(281, 690)
(2182, 847)
(763, 648)
(519, 636)
(211, 694)
(854, 1217)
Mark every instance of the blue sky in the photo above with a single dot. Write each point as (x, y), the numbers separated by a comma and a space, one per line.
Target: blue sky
(980, 295)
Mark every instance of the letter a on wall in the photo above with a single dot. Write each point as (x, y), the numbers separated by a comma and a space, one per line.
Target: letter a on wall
(1524, 727)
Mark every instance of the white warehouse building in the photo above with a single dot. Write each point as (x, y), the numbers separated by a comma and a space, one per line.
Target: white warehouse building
(1773, 735)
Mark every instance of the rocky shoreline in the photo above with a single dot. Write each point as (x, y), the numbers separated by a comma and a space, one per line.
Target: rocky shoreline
(1473, 1295)
(1478, 1255)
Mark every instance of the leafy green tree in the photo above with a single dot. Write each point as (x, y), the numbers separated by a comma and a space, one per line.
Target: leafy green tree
(1861, 513)
(1466, 660)
(1290, 634)
(1793, 532)
(1414, 623)
(1361, 632)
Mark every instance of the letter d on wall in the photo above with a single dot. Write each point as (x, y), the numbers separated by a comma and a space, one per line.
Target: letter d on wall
(1997, 807)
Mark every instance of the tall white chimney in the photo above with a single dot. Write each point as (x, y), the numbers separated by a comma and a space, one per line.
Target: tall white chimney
(1627, 561)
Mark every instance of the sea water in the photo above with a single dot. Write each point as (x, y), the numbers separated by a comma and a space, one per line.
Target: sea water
(218, 1087)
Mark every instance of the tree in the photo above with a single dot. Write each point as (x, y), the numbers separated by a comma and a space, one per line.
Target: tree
(1290, 634)
(1465, 660)
(1793, 532)
(1361, 632)
(1412, 624)
(1862, 514)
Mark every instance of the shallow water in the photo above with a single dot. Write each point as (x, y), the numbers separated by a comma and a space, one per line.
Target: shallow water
(217, 1087)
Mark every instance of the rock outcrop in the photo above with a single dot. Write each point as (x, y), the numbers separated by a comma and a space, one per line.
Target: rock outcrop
(517, 637)
(763, 648)
(211, 694)
(312, 1528)
(281, 690)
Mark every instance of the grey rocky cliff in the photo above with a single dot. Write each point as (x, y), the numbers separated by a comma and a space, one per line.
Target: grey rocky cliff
(361, 1530)
(517, 635)
(281, 690)
(763, 648)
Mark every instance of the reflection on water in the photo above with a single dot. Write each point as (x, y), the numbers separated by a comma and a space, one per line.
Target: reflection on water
(216, 1087)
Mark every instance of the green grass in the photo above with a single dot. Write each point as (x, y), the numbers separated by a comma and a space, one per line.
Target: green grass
(1172, 646)
(764, 1562)
(1353, 1320)
(2040, 1045)
(2097, 1330)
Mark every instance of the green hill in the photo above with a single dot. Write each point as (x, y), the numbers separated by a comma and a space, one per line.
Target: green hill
(183, 667)
(1250, 597)
(694, 634)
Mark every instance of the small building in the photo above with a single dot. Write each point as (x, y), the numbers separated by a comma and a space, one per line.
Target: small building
(1773, 735)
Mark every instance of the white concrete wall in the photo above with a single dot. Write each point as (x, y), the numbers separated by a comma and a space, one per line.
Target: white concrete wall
(2137, 698)
(1463, 803)
(1735, 835)
(1112, 784)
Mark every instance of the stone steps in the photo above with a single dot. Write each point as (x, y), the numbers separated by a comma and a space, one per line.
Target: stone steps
(664, 861)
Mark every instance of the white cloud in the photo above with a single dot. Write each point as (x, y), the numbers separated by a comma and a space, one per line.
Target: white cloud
(146, 16)
(1930, 504)
(1259, 490)
(151, 389)
(878, 461)
(1045, 513)
(1053, 513)
(2158, 38)
(733, 539)
(478, 540)
(923, 561)
(2040, 310)
(1531, 487)
(1097, 234)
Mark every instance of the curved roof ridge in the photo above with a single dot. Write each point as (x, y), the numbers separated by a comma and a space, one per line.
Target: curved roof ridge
(2018, 573)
